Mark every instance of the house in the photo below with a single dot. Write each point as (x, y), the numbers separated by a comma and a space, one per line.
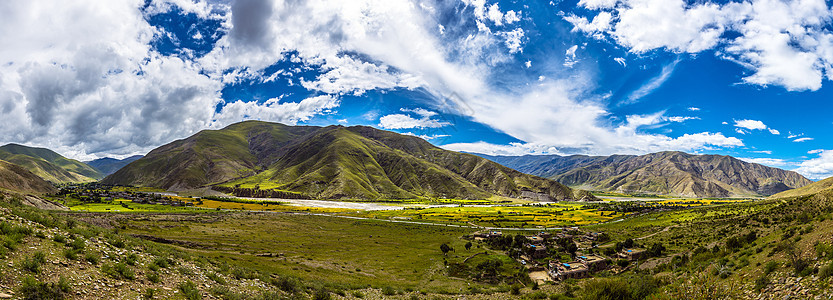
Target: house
(632, 254)
(537, 251)
(562, 271)
(535, 240)
(545, 235)
(593, 262)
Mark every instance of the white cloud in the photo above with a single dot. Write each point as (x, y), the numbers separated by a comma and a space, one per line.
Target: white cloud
(772, 162)
(741, 131)
(815, 151)
(346, 75)
(621, 61)
(570, 56)
(817, 168)
(652, 84)
(788, 44)
(427, 137)
(724, 123)
(598, 4)
(692, 108)
(403, 121)
(804, 139)
(680, 119)
(528, 64)
(276, 111)
(763, 151)
(753, 125)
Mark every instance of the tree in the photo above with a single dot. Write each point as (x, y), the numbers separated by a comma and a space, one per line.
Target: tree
(468, 246)
(445, 248)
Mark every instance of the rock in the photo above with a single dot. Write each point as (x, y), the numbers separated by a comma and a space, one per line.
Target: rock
(5, 296)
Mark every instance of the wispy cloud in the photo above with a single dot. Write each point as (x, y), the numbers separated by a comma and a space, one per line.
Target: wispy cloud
(652, 84)
(804, 139)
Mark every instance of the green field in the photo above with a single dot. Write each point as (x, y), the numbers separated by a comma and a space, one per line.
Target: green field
(552, 215)
(355, 253)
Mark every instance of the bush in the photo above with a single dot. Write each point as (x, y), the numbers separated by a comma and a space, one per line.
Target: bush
(33, 263)
(322, 294)
(59, 239)
(388, 291)
(770, 267)
(358, 294)
(761, 282)
(71, 254)
(287, 284)
(92, 258)
(162, 262)
(153, 277)
(131, 259)
(216, 278)
(189, 290)
(118, 271)
(77, 244)
(149, 293)
(32, 289)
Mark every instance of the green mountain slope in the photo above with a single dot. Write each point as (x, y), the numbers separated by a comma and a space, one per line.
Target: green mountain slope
(670, 173)
(18, 179)
(824, 185)
(331, 162)
(49, 165)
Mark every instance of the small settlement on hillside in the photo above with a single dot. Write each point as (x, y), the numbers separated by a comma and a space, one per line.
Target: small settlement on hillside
(567, 254)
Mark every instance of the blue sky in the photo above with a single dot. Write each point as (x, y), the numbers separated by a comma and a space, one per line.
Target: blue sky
(746, 78)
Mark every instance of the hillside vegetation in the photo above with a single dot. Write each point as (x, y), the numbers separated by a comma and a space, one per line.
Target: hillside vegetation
(49, 165)
(331, 162)
(16, 178)
(668, 173)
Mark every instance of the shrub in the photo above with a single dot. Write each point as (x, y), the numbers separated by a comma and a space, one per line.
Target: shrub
(32, 264)
(59, 239)
(131, 259)
(32, 289)
(388, 291)
(149, 293)
(162, 262)
(322, 294)
(77, 244)
(358, 294)
(92, 258)
(761, 282)
(770, 267)
(71, 254)
(189, 290)
(153, 277)
(118, 271)
(216, 278)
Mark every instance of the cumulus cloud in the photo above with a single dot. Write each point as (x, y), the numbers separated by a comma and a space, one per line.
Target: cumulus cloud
(750, 124)
(753, 125)
(817, 168)
(787, 44)
(403, 121)
(276, 111)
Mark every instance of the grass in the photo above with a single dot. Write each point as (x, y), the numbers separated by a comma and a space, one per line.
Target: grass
(338, 251)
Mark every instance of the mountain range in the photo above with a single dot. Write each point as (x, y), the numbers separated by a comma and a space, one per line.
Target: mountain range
(332, 162)
(110, 165)
(49, 165)
(668, 173)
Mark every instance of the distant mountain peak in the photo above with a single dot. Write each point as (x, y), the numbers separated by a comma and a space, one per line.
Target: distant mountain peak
(667, 172)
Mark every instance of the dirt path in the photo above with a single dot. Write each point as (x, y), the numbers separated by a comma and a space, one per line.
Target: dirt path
(655, 233)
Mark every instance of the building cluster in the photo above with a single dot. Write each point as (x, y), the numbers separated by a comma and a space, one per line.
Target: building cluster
(537, 248)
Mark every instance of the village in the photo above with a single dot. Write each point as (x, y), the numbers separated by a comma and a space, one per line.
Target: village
(570, 254)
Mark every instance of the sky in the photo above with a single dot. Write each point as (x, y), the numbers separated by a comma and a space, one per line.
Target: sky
(746, 78)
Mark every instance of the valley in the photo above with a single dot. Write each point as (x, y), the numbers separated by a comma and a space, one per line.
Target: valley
(241, 238)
